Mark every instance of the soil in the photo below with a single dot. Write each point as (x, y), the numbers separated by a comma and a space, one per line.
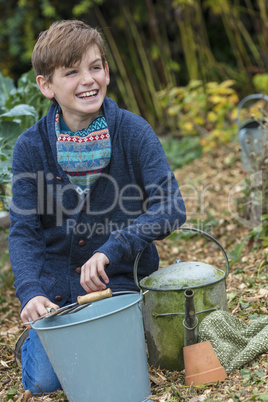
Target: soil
(211, 187)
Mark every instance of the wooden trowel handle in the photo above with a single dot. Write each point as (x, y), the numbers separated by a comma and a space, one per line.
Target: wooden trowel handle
(94, 296)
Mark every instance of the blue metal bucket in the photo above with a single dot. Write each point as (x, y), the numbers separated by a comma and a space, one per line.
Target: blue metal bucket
(99, 353)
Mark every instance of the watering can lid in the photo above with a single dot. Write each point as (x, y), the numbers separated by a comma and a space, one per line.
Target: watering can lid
(183, 275)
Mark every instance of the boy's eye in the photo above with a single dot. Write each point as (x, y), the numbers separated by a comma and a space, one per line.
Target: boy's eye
(71, 72)
(96, 68)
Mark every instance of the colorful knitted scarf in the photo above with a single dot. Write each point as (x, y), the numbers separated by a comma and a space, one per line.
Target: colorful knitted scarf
(83, 154)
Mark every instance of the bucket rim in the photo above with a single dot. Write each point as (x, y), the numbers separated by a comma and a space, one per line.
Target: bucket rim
(139, 299)
(179, 288)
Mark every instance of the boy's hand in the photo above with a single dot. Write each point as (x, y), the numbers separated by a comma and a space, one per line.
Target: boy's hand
(91, 272)
(35, 308)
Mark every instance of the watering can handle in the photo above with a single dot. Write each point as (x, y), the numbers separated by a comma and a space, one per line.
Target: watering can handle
(246, 99)
(184, 228)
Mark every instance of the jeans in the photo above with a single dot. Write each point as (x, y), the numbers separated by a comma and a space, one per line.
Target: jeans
(38, 375)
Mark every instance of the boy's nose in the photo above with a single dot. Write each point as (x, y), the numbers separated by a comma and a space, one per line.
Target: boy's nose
(87, 78)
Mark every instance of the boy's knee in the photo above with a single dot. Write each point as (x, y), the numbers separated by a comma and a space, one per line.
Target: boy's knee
(38, 375)
(41, 383)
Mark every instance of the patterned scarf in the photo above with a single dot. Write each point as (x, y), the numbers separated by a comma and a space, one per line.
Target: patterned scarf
(83, 154)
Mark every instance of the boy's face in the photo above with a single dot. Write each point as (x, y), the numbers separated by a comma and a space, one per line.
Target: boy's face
(79, 90)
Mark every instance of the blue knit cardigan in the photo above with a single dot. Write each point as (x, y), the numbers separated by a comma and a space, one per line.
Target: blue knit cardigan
(54, 232)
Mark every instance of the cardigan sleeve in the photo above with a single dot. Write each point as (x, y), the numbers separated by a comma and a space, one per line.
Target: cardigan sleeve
(164, 208)
(26, 240)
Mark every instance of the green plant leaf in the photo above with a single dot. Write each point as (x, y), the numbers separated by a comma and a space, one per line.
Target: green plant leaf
(9, 131)
(6, 87)
(244, 305)
(235, 254)
(181, 152)
(12, 392)
(260, 397)
(21, 110)
(254, 316)
(231, 295)
(261, 82)
(246, 373)
(260, 373)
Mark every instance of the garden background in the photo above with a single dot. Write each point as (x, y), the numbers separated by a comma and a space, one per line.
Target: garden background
(184, 65)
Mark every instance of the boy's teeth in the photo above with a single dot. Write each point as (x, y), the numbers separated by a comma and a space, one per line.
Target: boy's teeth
(87, 94)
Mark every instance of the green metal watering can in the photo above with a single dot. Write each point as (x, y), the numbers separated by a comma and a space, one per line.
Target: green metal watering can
(164, 304)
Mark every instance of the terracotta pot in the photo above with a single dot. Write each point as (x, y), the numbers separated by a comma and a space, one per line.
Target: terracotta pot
(202, 365)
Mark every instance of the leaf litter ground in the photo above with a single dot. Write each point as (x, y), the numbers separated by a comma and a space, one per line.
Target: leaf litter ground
(210, 187)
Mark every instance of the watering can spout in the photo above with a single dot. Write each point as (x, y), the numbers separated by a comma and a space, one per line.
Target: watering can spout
(190, 321)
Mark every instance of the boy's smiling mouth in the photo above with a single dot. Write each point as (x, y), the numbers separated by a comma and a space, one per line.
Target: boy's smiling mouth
(88, 94)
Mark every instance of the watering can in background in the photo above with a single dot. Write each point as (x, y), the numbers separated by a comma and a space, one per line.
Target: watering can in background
(164, 304)
(251, 133)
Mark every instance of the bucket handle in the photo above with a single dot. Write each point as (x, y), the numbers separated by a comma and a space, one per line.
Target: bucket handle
(135, 269)
(246, 99)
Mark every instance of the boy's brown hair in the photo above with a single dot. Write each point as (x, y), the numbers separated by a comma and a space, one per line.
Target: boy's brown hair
(64, 44)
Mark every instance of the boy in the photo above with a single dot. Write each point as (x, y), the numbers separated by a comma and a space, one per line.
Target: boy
(91, 188)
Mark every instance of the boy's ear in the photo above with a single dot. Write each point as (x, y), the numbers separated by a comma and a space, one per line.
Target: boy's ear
(44, 87)
(107, 73)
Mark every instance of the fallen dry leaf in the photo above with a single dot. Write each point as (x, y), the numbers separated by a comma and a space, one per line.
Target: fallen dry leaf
(157, 379)
(200, 398)
(263, 292)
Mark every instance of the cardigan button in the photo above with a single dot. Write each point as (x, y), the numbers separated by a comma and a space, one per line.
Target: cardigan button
(78, 270)
(58, 298)
(59, 178)
(81, 243)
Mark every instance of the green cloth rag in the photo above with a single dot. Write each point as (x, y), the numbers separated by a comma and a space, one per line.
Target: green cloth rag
(234, 342)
